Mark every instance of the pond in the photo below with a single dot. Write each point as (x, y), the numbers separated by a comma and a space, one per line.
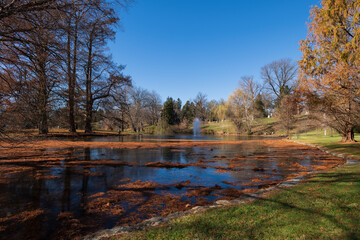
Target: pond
(66, 192)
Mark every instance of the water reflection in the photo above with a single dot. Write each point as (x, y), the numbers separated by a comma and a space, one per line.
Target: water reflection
(44, 193)
(149, 138)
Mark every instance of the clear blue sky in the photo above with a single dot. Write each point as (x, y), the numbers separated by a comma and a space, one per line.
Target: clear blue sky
(181, 47)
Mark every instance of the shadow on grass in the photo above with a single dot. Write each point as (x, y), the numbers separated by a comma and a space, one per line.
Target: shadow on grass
(347, 148)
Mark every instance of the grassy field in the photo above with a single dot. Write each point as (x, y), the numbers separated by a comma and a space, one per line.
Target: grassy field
(332, 143)
(263, 126)
(225, 127)
(326, 206)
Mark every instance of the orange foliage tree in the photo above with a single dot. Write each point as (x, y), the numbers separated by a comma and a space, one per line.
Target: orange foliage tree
(330, 65)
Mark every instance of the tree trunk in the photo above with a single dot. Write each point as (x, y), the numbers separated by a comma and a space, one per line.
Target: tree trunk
(71, 84)
(72, 127)
(43, 126)
(348, 135)
(122, 120)
(43, 120)
(43, 94)
(88, 118)
(89, 97)
(74, 76)
(288, 132)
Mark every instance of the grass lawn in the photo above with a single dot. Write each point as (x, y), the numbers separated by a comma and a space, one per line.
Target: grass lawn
(332, 143)
(326, 206)
(225, 127)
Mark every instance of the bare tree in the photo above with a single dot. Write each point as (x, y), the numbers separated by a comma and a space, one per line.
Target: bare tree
(140, 112)
(16, 19)
(9, 8)
(98, 79)
(53, 52)
(100, 89)
(249, 86)
(73, 25)
(286, 113)
(201, 106)
(28, 45)
(155, 105)
(88, 26)
(242, 102)
(279, 77)
(35, 61)
(133, 106)
(239, 104)
(117, 107)
(333, 112)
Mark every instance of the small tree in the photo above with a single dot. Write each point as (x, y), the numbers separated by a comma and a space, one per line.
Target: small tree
(222, 111)
(239, 104)
(155, 106)
(201, 106)
(286, 113)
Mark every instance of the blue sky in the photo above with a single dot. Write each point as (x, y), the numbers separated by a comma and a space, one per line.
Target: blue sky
(181, 47)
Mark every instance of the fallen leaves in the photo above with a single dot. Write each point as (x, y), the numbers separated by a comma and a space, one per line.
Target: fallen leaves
(130, 201)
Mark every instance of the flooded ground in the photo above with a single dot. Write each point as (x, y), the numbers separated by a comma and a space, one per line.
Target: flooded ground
(64, 189)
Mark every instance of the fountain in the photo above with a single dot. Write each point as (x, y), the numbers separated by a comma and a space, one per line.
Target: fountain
(196, 127)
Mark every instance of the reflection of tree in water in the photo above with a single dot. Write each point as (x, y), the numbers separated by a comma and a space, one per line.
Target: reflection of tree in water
(21, 197)
(112, 175)
(66, 196)
(170, 155)
(70, 192)
(85, 180)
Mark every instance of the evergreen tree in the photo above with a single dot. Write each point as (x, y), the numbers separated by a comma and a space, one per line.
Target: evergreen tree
(259, 107)
(169, 112)
(188, 112)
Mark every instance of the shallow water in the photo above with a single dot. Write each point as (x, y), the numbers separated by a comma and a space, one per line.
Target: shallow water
(147, 138)
(68, 186)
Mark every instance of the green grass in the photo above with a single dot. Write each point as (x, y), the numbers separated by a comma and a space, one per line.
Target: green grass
(264, 121)
(265, 126)
(332, 143)
(225, 127)
(326, 206)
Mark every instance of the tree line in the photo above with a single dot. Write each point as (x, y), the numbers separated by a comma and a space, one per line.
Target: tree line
(325, 82)
(52, 57)
(55, 71)
(250, 101)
